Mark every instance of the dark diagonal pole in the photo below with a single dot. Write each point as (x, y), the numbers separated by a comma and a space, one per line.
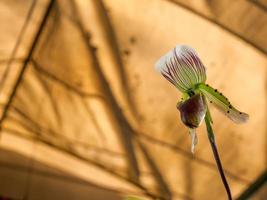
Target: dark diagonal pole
(28, 58)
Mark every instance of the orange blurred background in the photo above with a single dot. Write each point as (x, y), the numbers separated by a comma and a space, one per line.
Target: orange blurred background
(84, 114)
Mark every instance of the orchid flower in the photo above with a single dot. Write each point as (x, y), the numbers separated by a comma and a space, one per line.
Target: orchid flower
(184, 69)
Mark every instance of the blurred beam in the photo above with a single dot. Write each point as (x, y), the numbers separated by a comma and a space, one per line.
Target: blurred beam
(64, 177)
(34, 127)
(41, 69)
(25, 64)
(100, 168)
(119, 120)
(146, 137)
(262, 5)
(254, 187)
(218, 12)
(19, 39)
(114, 51)
(17, 60)
(162, 184)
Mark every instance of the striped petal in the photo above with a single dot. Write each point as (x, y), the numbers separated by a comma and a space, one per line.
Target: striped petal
(182, 67)
(222, 103)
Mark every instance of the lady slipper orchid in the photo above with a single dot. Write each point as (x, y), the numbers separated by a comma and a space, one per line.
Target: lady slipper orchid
(184, 69)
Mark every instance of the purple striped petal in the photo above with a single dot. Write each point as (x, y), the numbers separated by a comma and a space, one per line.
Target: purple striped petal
(182, 67)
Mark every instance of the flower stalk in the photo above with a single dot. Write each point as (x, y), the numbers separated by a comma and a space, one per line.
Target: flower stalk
(216, 155)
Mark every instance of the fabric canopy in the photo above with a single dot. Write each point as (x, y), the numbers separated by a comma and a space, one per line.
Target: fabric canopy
(79, 93)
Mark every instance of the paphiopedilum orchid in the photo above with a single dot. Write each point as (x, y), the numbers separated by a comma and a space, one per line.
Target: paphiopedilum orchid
(184, 69)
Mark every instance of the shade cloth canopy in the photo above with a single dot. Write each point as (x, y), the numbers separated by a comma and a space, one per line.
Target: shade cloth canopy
(79, 92)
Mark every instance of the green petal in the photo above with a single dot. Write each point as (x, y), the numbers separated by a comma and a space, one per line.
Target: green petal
(222, 103)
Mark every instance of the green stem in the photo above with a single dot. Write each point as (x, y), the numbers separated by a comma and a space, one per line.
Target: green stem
(216, 154)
